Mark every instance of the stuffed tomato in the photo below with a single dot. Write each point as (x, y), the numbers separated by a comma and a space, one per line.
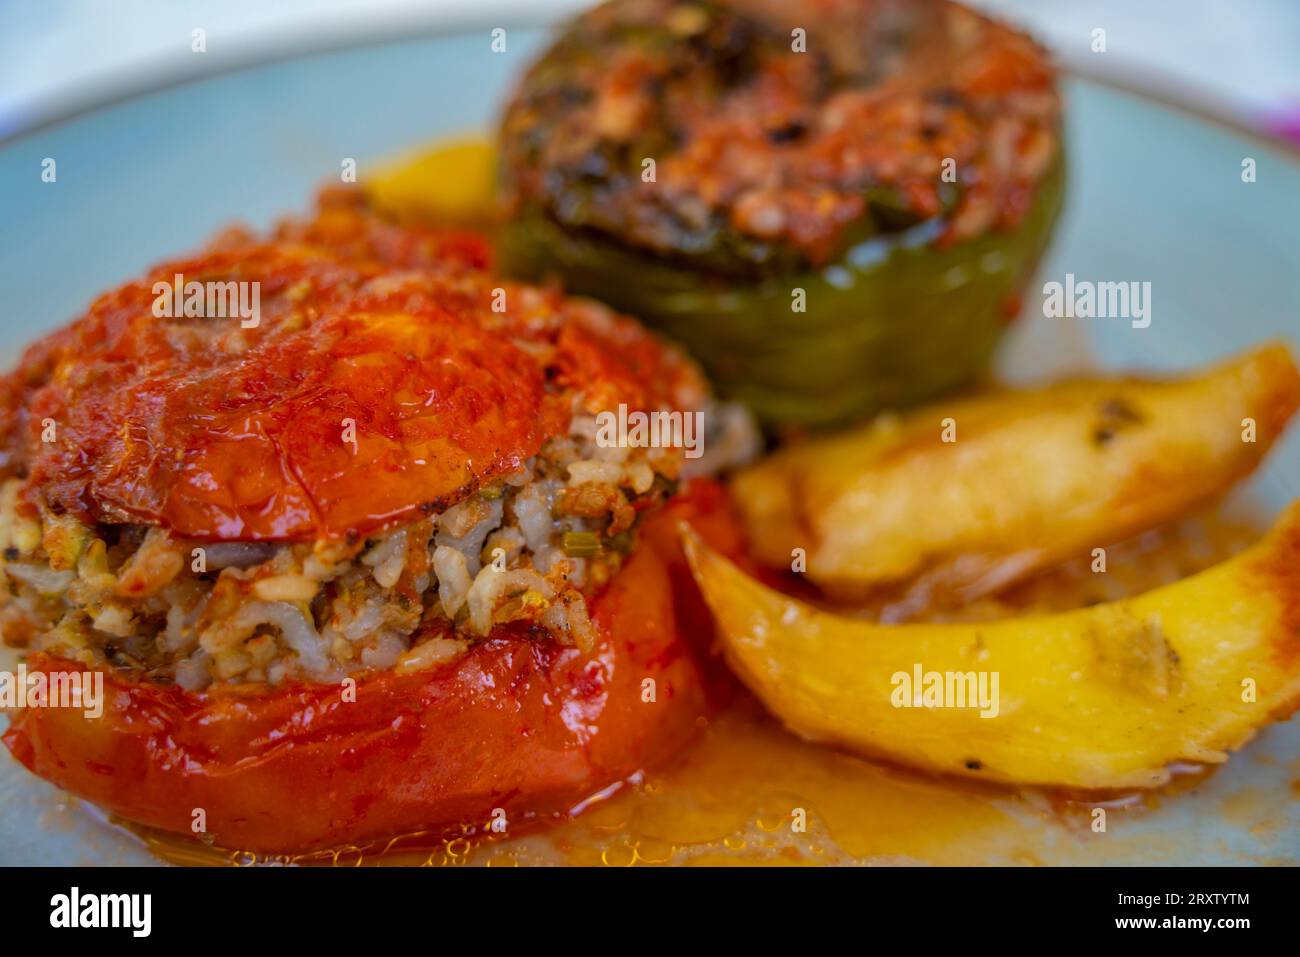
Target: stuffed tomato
(358, 565)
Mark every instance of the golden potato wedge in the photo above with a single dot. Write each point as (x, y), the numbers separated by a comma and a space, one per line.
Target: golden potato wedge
(1103, 697)
(451, 182)
(1032, 478)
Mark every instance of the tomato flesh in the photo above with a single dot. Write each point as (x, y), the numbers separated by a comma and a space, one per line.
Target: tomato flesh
(520, 723)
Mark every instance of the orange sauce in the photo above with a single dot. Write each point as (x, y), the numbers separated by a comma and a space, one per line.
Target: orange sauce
(735, 799)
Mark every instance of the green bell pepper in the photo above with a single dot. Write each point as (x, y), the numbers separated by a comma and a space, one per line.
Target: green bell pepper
(896, 321)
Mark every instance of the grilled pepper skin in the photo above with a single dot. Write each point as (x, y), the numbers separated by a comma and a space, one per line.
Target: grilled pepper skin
(896, 321)
(799, 230)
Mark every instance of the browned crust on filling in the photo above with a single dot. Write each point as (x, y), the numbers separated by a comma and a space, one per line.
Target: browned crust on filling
(766, 155)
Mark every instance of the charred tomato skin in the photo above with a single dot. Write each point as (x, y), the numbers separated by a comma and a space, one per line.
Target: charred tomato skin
(520, 724)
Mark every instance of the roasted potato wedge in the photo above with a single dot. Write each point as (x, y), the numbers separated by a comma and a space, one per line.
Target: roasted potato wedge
(451, 182)
(1103, 697)
(1032, 477)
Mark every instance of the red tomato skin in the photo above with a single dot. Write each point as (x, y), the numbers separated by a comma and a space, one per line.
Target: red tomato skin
(379, 384)
(520, 723)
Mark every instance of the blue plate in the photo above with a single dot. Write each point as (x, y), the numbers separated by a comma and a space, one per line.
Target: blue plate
(1156, 195)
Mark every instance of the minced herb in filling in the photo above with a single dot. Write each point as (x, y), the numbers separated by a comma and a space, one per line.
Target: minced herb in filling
(529, 549)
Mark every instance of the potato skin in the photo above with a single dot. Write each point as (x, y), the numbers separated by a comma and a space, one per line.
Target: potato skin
(521, 724)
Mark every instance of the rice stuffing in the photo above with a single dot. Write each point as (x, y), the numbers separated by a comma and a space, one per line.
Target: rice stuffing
(528, 548)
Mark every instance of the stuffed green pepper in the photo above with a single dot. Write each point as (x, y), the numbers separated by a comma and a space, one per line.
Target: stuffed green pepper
(834, 204)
